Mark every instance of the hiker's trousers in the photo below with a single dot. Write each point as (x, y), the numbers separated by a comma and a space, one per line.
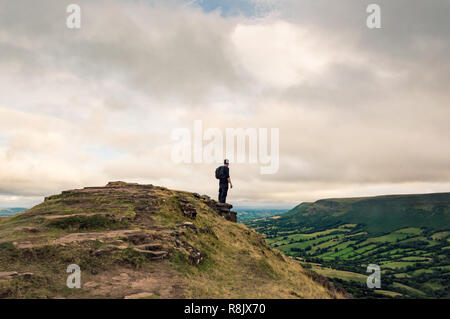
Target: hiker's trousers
(223, 191)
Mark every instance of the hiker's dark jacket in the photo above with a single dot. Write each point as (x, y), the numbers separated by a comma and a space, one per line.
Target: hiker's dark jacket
(226, 175)
(223, 184)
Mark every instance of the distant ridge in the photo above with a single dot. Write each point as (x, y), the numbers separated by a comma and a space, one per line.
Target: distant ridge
(4, 211)
(378, 213)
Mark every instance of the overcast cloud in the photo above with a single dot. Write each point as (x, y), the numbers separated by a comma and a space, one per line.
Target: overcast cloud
(360, 111)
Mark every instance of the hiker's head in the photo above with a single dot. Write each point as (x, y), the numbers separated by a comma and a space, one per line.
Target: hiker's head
(226, 162)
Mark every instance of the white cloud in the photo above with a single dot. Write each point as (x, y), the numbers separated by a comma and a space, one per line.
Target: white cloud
(359, 113)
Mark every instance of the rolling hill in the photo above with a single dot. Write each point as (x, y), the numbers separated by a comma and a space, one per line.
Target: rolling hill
(379, 214)
(143, 241)
(408, 236)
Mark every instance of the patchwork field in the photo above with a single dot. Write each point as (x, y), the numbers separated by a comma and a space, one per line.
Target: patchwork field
(414, 262)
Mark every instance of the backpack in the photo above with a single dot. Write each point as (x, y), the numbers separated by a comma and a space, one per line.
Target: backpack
(220, 173)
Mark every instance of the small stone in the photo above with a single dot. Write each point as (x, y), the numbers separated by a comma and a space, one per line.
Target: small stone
(187, 225)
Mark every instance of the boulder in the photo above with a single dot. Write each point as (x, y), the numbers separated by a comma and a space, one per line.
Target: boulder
(223, 209)
(187, 208)
(195, 257)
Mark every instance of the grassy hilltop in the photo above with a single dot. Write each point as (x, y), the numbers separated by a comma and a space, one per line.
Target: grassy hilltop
(143, 241)
(408, 236)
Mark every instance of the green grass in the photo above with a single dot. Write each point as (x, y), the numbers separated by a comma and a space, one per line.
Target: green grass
(326, 244)
(410, 230)
(7, 246)
(364, 249)
(433, 286)
(443, 268)
(420, 239)
(440, 235)
(285, 239)
(387, 293)
(303, 245)
(413, 258)
(411, 290)
(390, 238)
(397, 264)
(344, 275)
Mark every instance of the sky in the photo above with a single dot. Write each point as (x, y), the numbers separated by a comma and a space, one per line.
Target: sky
(360, 111)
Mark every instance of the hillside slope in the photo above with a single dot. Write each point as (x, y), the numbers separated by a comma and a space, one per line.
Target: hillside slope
(142, 241)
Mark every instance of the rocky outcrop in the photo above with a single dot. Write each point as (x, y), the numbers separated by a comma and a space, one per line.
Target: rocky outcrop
(223, 209)
(187, 209)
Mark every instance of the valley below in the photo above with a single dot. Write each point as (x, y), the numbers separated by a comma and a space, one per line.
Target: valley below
(407, 236)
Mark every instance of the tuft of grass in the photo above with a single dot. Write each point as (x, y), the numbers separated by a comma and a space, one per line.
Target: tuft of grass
(133, 257)
(84, 223)
(264, 268)
(179, 259)
(31, 288)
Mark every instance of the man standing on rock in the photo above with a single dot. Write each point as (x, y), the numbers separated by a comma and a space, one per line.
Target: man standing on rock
(223, 174)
